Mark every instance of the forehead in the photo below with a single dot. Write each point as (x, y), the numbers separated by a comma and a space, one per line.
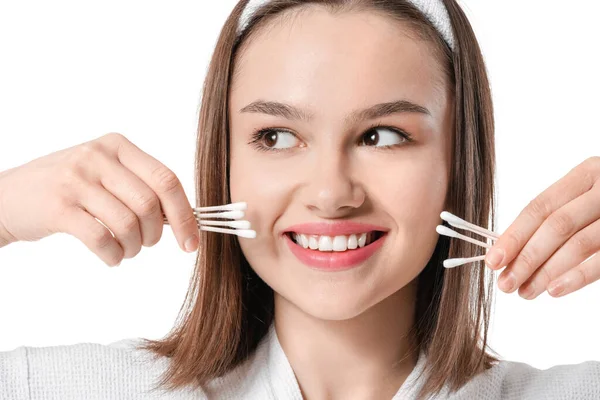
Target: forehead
(318, 57)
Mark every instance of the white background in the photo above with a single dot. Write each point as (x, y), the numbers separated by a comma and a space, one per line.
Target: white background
(72, 71)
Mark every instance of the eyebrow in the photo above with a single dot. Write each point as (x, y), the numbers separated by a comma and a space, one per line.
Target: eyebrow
(377, 111)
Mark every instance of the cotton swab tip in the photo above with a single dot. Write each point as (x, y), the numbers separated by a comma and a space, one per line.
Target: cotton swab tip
(249, 234)
(454, 262)
(239, 224)
(446, 216)
(231, 214)
(242, 205)
(444, 230)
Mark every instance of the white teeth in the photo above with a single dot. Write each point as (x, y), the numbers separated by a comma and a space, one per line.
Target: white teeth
(304, 241)
(336, 243)
(340, 243)
(352, 242)
(325, 243)
(362, 240)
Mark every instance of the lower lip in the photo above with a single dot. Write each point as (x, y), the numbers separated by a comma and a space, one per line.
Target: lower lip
(334, 260)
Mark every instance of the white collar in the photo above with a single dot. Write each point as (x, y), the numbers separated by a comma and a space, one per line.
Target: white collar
(284, 385)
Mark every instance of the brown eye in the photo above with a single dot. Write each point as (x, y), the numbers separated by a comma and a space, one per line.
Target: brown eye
(371, 139)
(383, 137)
(273, 139)
(280, 139)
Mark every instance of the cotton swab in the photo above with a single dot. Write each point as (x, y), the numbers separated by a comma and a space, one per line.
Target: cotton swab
(250, 234)
(233, 211)
(462, 224)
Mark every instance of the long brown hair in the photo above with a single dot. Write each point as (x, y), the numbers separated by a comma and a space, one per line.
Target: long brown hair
(228, 309)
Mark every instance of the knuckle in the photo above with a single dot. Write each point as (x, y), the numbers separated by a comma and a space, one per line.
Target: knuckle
(77, 162)
(561, 223)
(69, 179)
(513, 240)
(189, 219)
(116, 261)
(137, 251)
(60, 211)
(114, 136)
(186, 219)
(102, 239)
(165, 179)
(88, 151)
(153, 242)
(547, 277)
(147, 205)
(60, 208)
(589, 171)
(152, 238)
(87, 148)
(527, 259)
(584, 243)
(593, 162)
(132, 251)
(538, 207)
(585, 278)
(129, 222)
(589, 176)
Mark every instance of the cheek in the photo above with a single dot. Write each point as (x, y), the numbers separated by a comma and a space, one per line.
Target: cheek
(414, 199)
(416, 195)
(265, 186)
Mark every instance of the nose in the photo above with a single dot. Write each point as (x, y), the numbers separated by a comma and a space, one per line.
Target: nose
(332, 190)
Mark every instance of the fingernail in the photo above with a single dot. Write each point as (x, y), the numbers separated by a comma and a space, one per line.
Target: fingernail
(191, 244)
(528, 291)
(494, 258)
(556, 288)
(508, 282)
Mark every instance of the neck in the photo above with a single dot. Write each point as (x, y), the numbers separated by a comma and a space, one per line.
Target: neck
(367, 356)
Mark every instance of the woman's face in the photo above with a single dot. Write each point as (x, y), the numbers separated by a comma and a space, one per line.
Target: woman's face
(325, 80)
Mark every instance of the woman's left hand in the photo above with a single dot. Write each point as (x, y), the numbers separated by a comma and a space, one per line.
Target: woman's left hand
(546, 246)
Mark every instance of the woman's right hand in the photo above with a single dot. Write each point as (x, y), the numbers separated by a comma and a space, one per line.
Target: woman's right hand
(108, 178)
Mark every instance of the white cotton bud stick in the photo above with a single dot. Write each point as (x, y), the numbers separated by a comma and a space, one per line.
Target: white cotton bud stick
(444, 230)
(462, 224)
(226, 214)
(246, 233)
(232, 224)
(241, 206)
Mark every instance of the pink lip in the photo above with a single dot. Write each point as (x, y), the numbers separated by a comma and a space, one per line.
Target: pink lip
(334, 228)
(333, 260)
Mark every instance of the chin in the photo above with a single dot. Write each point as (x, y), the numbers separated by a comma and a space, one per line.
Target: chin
(334, 306)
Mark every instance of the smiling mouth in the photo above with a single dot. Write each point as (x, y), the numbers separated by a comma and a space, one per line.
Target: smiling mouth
(339, 243)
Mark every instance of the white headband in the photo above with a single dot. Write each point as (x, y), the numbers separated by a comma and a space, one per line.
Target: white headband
(434, 10)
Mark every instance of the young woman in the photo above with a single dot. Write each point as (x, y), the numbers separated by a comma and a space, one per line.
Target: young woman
(336, 121)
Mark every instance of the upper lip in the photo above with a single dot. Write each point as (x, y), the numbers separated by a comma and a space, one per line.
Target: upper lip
(334, 228)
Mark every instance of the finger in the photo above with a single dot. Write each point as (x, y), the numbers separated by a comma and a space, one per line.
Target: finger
(578, 181)
(123, 222)
(137, 196)
(578, 248)
(167, 187)
(576, 278)
(557, 229)
(97, 238)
